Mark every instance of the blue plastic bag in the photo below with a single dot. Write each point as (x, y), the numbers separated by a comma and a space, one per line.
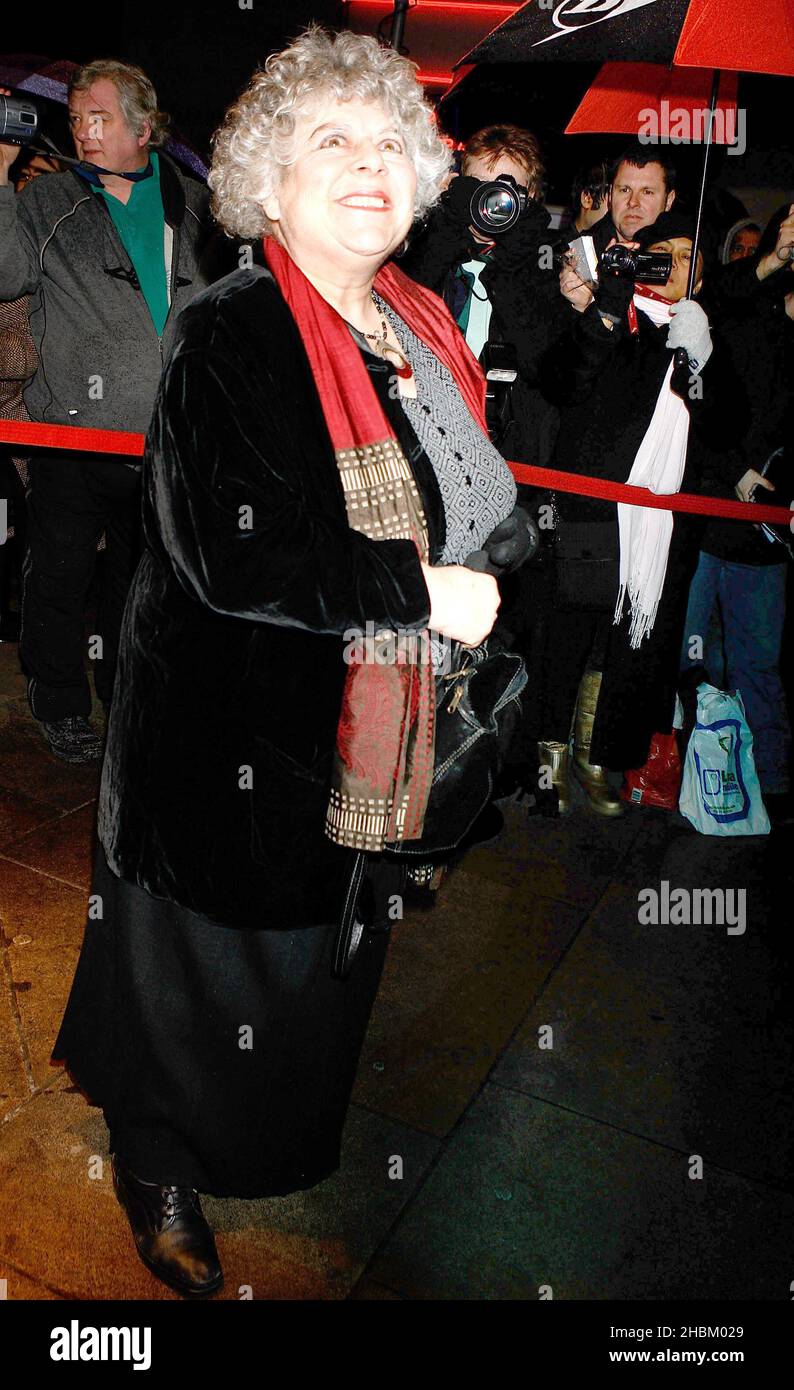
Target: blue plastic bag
(720, 793)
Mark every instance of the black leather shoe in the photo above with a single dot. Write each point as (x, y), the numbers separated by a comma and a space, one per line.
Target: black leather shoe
(170, 1231)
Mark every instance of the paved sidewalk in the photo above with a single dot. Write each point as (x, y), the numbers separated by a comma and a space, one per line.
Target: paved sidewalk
(552, 1095)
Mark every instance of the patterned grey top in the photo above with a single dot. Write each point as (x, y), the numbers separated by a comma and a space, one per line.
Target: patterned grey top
(477, 487)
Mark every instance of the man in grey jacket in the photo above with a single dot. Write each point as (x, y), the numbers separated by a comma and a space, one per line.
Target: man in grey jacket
(107, 262)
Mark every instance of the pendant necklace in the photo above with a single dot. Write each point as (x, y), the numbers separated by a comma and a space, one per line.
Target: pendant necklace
(382, 346)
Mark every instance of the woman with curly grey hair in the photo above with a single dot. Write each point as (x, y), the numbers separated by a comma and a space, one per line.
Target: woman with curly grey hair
(317, 469)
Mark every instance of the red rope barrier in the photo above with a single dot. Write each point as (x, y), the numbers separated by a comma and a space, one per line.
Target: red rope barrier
(70, 437)
(553, 479)
(121, 442)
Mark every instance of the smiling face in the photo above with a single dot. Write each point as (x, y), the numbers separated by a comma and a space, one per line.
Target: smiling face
(680, 248)
(347, 200)
(638, 197)
(100, 131)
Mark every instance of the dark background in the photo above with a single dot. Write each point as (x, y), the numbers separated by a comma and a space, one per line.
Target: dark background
(201, 53)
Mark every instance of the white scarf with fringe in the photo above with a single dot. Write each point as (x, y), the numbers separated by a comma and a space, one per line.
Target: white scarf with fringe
(646, 532)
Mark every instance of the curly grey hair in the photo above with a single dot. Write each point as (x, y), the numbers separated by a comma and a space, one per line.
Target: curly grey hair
(137, 97)
(256, 141)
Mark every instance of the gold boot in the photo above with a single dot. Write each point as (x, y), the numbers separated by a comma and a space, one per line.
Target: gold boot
(555, 756)
(592, 777)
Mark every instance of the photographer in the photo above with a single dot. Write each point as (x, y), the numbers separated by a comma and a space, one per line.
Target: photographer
(627, 415)
(107, 261)
(501, 287)
(493, 284)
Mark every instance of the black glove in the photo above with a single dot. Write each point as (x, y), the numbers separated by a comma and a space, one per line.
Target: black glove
(456, 200)
(509, 545)
(518, 248)
(614, 294)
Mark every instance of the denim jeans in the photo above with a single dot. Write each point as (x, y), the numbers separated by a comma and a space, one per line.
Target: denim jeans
(752, 604)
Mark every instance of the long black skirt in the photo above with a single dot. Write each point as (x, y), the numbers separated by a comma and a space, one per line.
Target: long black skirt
(223, 1058)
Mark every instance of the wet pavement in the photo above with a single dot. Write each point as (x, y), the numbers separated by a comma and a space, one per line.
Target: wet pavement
(554, 1095)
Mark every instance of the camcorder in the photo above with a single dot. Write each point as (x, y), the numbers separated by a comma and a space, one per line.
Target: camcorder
(19, 125)
(649, 267)
(19, 120)
(497, 206)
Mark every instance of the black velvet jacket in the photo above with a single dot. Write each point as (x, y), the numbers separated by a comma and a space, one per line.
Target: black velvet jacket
(230, 673)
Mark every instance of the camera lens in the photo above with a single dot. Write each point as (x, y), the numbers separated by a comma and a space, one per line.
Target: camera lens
(498, 207)
(618, 260)
(495, 207)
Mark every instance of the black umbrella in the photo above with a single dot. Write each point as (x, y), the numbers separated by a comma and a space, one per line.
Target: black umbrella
(586, 31)
(690, 33)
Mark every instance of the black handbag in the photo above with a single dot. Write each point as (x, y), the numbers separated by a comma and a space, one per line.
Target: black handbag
(478, 705)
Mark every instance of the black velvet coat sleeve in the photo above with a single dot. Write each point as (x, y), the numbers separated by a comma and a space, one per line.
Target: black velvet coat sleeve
(246, 531)
(231, 662)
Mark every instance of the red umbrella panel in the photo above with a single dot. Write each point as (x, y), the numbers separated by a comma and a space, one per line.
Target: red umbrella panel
(731, 35)
(651, 102)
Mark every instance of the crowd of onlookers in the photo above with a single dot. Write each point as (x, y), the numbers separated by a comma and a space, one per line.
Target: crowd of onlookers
(622, 611)
(596, 392)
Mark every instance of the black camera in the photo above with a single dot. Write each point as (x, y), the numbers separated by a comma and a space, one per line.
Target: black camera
(497, 206)
(500, 365)
(19, 120)
(650, 267)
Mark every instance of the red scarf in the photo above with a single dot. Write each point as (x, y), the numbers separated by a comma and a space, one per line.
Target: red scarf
(340, 374)
(385, 740)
